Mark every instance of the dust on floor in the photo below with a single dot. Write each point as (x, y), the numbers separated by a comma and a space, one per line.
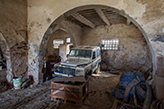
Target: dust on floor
(97, 98)
(39, 97)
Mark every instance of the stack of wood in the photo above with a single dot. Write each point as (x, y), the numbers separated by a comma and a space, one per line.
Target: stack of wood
(72, 89)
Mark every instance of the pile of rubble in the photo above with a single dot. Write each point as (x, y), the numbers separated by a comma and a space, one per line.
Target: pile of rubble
(134, 91)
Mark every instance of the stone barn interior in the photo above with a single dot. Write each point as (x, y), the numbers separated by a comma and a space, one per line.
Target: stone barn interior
(36, 35)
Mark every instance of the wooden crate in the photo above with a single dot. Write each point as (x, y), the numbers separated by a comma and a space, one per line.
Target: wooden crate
(67, 92)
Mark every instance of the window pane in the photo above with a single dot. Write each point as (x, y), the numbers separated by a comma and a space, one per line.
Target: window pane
(57, 43)
(110, 44)
(68, 40)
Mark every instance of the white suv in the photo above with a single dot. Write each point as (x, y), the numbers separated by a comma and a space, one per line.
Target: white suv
(81, 61)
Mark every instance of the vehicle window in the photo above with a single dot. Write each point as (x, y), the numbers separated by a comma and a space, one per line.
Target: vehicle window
(98, 53)
(94, 55)
(72, 53)
(80, 53)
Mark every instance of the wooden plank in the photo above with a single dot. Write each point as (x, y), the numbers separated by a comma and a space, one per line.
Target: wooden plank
(66, 85)
(114, 106)
(65, 98)
(83, 20)
(102, 16)
(59, 97)
(128, 21)
(72, 93)
(76, 79)
(57, 91)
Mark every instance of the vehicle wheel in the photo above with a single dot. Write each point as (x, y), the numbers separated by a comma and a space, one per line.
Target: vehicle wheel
(98, 69)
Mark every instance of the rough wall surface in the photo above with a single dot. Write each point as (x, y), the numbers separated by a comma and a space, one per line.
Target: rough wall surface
(148, 15)
(59, 34)
(159, 78)
(133, 51)
(71, 30)
(13, 30)
(19, 59)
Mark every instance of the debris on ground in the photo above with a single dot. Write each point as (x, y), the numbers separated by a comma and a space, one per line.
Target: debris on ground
(146, 72)
(157, 104)
(131, 89)
(39, 96)
(3, 75)
(27, 82)
(115, 72)
(3, 87)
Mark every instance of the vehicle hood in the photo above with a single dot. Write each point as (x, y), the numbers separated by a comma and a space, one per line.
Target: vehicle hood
(75, 62)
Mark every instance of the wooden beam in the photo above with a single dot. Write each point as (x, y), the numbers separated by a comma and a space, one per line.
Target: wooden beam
(60, 27)
(83, 20)
(128, 21)
(102, 16)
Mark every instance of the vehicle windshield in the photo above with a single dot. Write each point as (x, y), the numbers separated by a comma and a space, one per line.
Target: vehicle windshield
(80, 53)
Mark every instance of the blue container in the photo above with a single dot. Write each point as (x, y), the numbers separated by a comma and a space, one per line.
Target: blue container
(125, 78)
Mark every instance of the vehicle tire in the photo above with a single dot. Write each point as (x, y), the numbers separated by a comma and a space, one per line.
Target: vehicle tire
(98, 69)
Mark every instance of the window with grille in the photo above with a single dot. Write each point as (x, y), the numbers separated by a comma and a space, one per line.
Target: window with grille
(57, 43)
(109, 44)
(68, 40)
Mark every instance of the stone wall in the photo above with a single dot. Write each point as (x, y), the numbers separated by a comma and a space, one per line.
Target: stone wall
(62, 30)
(146, 15)
(19, 59)
(13, 31)
(133, 51)
(59, 34)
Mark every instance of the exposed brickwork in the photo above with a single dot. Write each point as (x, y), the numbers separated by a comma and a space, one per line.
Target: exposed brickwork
(19, 59)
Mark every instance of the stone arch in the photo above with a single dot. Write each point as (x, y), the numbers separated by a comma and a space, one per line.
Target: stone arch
(58, 34)
(54, 26)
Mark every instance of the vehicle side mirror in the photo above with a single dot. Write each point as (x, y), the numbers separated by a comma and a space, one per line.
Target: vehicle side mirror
(67, 55)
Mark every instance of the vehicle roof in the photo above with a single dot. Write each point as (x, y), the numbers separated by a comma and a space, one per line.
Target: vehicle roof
(86, 47)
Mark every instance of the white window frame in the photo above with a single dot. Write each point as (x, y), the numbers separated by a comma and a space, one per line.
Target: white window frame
(109, 44)
(68, 40)
(57, 43)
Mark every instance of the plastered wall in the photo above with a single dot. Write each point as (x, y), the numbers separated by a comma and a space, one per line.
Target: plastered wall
(13, 31)
(133, 51)
(141, 11)
(59, 34)
(147, 15)
(29, 22)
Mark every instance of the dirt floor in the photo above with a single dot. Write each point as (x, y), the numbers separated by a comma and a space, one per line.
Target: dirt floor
(39, 97)
(98, 97)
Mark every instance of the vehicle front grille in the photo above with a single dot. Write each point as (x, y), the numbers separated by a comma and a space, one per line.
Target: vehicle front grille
(68, 71)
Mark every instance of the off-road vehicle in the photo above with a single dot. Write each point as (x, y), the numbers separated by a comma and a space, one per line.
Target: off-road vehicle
(81, 61)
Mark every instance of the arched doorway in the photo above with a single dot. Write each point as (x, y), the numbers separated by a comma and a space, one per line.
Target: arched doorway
(88, 17)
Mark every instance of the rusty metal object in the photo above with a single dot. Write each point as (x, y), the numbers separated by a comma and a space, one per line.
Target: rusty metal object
(157, 104)
(148, 98)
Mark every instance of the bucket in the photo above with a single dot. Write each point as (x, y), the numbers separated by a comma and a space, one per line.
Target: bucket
(17, 82)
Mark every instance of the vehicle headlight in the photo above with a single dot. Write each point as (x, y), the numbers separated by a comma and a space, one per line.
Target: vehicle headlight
(79, 72)
(57, 69)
